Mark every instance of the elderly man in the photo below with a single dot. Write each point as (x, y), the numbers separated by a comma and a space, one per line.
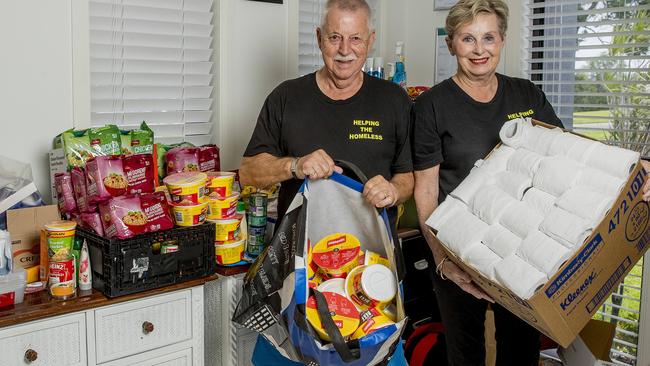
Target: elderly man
(338, 112)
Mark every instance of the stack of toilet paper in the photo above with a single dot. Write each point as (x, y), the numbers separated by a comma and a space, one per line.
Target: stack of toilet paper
(530, 205)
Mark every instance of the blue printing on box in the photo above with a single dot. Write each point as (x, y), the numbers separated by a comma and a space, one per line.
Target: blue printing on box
(609, 284)
(573, 267)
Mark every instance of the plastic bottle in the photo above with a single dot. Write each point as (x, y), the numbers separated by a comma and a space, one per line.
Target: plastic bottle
(369, 66)
(391, 71)
(378, 70)
(85, 273)
(400, 70)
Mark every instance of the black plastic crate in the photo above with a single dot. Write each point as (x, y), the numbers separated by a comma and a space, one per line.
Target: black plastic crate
(126, 266)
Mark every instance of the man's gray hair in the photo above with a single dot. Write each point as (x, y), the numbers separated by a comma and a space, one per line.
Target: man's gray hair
(350, 5)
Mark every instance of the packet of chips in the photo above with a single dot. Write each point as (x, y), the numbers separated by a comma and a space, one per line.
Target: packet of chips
(76, 145)
(142, 140)
(105, 140)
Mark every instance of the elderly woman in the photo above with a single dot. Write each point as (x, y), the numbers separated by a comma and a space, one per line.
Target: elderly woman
(456, 123)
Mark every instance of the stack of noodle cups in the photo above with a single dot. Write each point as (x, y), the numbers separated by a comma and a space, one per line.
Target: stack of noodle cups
(187, 191)
(230, 243)
(359, 286)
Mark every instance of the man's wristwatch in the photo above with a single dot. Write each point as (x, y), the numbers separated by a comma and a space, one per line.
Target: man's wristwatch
(294, 166)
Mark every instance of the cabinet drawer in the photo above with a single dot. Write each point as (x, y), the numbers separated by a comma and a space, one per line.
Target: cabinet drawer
(54, 342)
(181, 357)
(139, 326)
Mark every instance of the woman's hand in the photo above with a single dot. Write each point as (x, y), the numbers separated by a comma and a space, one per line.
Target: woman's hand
(455, 274)
(380, 192)
(646, 186)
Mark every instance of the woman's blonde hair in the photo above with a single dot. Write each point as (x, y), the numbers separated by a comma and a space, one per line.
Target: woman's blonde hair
(465, 11)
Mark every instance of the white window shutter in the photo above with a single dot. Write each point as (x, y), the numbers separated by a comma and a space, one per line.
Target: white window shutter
(152, 60)
(592, 60)
(310, 17)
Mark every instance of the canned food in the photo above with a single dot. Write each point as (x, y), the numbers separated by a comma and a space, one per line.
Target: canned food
(255, 240)
(219, 209)
(190, 215)
(62, 279)
(344, 314)
(257, 204)
(60, 235)
(186, 189)
(220, 184)
(336, 255)
(258, 221)
(230, 252)
(168, 248)
(371, 286)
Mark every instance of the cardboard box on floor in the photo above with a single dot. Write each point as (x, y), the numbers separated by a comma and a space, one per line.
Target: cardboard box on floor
(592, 346)
(24, 225)
(566, 303)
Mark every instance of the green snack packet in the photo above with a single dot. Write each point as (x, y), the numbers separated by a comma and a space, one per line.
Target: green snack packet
(142, 140)
(161, 152)
(125, 139)
(105, 140)
(57, 142)
(76, 145)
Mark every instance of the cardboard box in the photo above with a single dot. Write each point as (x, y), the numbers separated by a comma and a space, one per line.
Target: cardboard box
(566, 303)
(592, 346)
(25, 225)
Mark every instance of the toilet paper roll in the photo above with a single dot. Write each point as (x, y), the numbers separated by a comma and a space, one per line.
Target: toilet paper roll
(539, 200)
(514, 133)
(444, 211)
(521, 219)
(519, 276)
(572, 146)
(482, 259)
(600, 181)
(566, 228)
(501, 240)
(489, 203)
(556, 175)
(514, 184)
(586, 203)
(467, 188)
(524, 162)
(497, 161)
(543, 253)
(613, 160)
(461, 232)
(541, 139)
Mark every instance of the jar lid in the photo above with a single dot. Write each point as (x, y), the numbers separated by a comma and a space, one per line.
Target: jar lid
(378, 282)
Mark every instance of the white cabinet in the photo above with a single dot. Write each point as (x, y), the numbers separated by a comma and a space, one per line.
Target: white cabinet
(158, 330)
(52, 342)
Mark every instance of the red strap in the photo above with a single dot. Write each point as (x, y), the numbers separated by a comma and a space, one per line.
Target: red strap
(419, 355)
(425, 328)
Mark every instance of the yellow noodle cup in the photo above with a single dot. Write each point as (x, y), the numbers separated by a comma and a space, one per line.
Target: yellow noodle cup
(371, 320)
(228, 229)
(219, 209)
(220, 184)
(336, 255)
(60, 236)
(342, 310)
(230, 252)
(186, 189)
(190, 215)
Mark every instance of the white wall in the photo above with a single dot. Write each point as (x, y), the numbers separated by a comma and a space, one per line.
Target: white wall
(253, 59)
(36, 92)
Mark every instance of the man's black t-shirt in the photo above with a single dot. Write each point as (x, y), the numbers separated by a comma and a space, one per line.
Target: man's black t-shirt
(369, 129)
(453, 130)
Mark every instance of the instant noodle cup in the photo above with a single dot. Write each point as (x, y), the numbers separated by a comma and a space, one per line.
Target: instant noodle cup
(122, 217)
(230, 252)
(209, 159)
(371, 286)
(336, 255)
(182, 159)
(390, 311)
(60, 236)
(139, 170)
(105, 178)
(186, 189)
(78, 177)
(190, 215)
(371, 320)
(334, 285)
(222, 208)
(342, 310)
(65, 192)
(227, 229)
(371, 257)
(220, 184)
(156, 211)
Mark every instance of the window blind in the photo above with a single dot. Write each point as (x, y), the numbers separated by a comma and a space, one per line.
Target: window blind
(591, 59)
(310, 17)
(151, 60)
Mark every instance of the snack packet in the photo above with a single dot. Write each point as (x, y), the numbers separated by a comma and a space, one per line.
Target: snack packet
(105, 140)
(105, 178)
(139, 170)
(182, 159)
(76, 146)
(209, 158)
(65, 193)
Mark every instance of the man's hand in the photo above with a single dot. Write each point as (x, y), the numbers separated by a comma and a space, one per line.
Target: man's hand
(316, 165)
(646, 186)
(455, 274)
(380, 192)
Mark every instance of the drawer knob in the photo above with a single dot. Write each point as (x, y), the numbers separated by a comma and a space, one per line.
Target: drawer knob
(31, 355)
(147, 327)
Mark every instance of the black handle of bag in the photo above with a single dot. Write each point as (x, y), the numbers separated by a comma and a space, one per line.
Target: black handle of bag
(349, 167)
(347, 355)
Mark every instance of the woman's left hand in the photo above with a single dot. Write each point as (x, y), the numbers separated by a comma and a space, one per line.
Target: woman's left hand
(646, 186)
(380, 192)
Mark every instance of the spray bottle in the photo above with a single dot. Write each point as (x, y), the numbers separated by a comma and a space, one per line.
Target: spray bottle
(369, 66)
(379, 67)
(400, 71)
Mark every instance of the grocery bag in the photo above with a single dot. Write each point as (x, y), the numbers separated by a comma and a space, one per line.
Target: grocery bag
(276, 290)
